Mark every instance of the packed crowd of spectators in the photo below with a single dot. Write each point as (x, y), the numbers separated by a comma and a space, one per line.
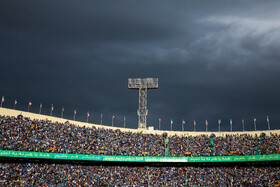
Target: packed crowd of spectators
(28, 174)
(24, 134)
(242, 144)
(43, 136)
(197, 145)
(270, 144)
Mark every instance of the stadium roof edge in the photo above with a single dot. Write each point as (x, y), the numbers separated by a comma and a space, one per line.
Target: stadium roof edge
(12, 112)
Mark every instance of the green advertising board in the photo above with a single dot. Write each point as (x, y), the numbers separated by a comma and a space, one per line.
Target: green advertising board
(108, 158)
(124, 158)
(77, 157)
(25, 154)
(250, 158)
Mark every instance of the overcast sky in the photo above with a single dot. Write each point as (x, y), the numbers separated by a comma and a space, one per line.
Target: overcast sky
(217, 60)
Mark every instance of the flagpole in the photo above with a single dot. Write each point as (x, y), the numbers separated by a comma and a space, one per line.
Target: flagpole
(40, 109)
(113, 121)
(15, 104)
(87, 116)
(62, 110)
(101, 116)
(51, 109)
(183, 123)
(268, 124)
(124, 121)
(255, 124)
(2, 100)
(29, 105)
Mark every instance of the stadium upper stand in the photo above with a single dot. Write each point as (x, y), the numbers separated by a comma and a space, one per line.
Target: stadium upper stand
(43, 135)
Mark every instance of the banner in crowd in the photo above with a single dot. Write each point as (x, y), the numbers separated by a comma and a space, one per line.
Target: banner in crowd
(82, 157)
(77, 157)
(25, 154)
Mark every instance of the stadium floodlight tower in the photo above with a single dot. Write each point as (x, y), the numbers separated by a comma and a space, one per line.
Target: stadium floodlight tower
(142, 84)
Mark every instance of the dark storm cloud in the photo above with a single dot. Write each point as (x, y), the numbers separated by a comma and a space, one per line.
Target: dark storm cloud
(214, 61)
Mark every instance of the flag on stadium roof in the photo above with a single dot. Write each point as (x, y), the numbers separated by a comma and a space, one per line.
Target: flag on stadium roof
(219, 125)
(268, 125)
(267, 119)
(255, 123)
(15, 104)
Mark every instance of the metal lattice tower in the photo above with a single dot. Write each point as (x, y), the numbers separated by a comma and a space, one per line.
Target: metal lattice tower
(142, 85)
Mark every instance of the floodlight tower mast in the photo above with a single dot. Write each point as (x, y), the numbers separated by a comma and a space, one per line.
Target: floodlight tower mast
(143, 85)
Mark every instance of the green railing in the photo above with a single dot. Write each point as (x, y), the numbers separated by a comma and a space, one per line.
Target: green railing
(81, 157)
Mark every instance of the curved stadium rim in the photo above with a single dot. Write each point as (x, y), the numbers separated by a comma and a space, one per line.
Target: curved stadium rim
(34, 116)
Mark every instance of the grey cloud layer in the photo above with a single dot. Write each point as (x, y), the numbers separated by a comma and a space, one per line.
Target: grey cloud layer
(213, 61)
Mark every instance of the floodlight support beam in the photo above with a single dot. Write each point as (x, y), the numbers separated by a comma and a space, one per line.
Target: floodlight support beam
(142, 110)
(142, 85)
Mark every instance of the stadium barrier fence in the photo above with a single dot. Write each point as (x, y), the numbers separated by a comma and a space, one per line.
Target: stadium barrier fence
(110, 158)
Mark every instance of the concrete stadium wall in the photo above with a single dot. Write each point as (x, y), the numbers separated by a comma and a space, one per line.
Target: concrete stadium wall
(11, 112)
